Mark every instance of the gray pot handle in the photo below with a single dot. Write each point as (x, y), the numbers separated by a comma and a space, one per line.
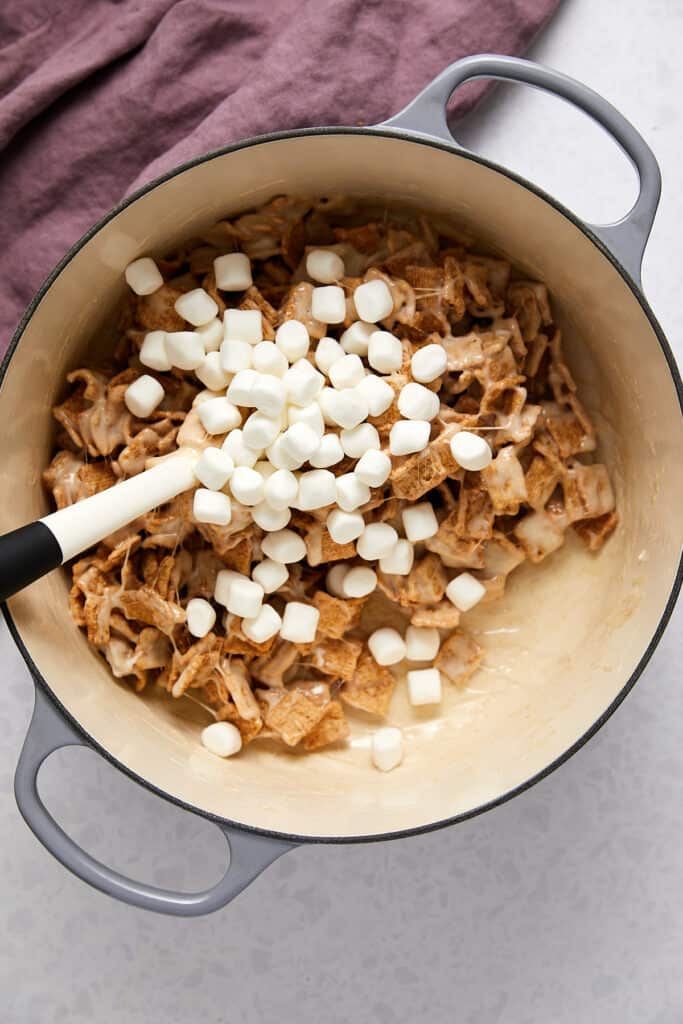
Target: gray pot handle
(249, 854)
(426, 116)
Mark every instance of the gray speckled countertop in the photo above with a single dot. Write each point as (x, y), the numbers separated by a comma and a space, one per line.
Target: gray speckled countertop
(563, 906)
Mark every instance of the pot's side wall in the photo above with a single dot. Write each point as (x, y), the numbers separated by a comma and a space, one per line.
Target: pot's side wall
(561, 644)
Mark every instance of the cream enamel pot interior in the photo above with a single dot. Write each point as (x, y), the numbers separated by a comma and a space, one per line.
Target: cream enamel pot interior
(569, 638)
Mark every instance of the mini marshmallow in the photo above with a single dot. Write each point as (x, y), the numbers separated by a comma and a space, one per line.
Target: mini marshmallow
(464, 591)
(309, 414)
(328, 304)
(376, 541)
(327, 353)
(299, 622)
(359, 582)
(399, 561)
(211, 373)
(236, 356)
(281, 489)
(211, 334)
(387, 646)
(324, 266)
(211, 507)
(356, 339)
(232, 272)
(244, 597)
(266, 624)
(197, 307)
(345, 408)
(424, 686)
(422, 644)
(266, 357)
(239, 451)
(243, 325)
(292, 339)
(387, 748)
(185, 349)
(470, 451)
(280, 457)
(419, 522)
(268, 394)
(385, 352)
(344, 527)
(218, 415)
(153, 352)
(298, 443)
(242, 384)
(284, 546)
(428, 363)
(373, 467)
(270, 575)
(346, 372)
(360, 439)
(270, 519)
(335, 577)
(143, 396)
(224, 580)
(246, 485)
(329, 452)
(408, 436)
(351, 492)
(260, 431)
(416, 402)
(302, 383)
(213, 468)
(317, 489)
(143, 276)
(377, 393)
(222, 739)
(201, 616)
(373, 301)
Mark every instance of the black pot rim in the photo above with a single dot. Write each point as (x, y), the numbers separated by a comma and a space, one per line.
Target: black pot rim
(405, 136)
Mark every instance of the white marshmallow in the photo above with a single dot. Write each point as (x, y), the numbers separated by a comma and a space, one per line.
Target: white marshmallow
(359, 581)
(233, 272)
(335, 577)
(377, 393)
(197, 307)
(222, 739)
(298, 443)
(422, 644)
(259, 431)
(344, 527)
(218, 415)
(470, 451)
(376, 541)
(246, 485)
(419, 522)
(424, 686)
(185, 349)
(356, 339)
(345, 408)
(399, 561)
(224, 580)
(268, 394)
(211, 373)
(143, 276)
(416, 402)
(211, 334)
(153, 352)
(327, 353)
(239, 452)
(351, 492)
(201, 616)
(241, 388)
(387, 748)
(281, 489)
(292, 339)
(428, 363)
(387, 646)
(408, 436)
(299, 622)
(373, 467)
(317, 489)
(302, 383)
(359, 439)
(284, 546)
(143, 396)
(211, 507)
(373, 301)
(464, 591)
(236, 356)
(385, 352)
(329, 452)
(243, 325)
(266, 357)
(309, 414)
(244, 597)
(214, 468)
(266, 624)
(271, 575)
(324, 266)
(280, 457)
(328, 304)
(346, 372)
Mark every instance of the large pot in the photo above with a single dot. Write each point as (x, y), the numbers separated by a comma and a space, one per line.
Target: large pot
(578, 631)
